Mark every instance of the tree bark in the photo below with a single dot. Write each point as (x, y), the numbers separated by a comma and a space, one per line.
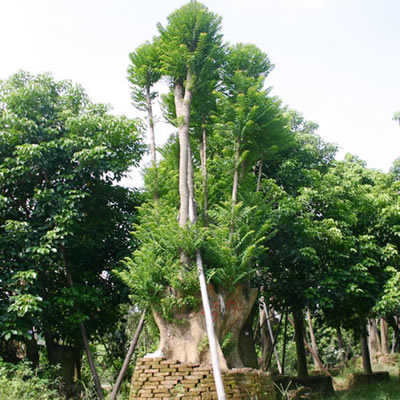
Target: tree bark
(284, 342)
(273, 339)
(152, 141)
(366, 358)
(183, 99)
(187, 341)
(313, 341)
(384, 336)
(374, 341)
(260, 165)
(266, 340)
(247, 350)
(68, 357)
(396, 330)
(203, 160)
(340, 341)
(151, 126)
(302, 371)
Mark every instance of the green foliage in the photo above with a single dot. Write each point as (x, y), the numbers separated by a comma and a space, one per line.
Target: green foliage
(60, 157)
(191, 41)
(231, 258)
(23, 382)
(155, 265)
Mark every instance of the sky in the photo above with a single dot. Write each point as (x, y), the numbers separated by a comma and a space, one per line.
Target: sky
(336, 61)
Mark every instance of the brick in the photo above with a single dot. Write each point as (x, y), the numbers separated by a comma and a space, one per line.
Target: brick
(169, 362)
(154, 379)
(194, 376)
(185, 369)
(151, 371)
(169, 387)
(203, 368)
(188, 385)
(160, 390)
(143, 392)
(170, 382)
(167, 369)
(208, 380)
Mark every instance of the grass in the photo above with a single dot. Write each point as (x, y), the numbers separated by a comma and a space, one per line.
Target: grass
(383, 391)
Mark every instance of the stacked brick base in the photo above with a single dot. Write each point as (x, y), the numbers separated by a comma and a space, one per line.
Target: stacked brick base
(158, 378)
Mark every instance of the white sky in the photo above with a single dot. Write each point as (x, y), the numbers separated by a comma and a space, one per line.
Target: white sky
(336, 61)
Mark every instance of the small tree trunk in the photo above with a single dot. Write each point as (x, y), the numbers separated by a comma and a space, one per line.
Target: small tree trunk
(302, 371)
(84, 336)
(266, 340)
(392, 321)
(235, 184)
(192, 201)
(384, 337)
(284, 342)
(203, 160)
(366, 358)
(313, 341)
(152, 141)
(374, 341)
(340, 341)
(128, 357)
(260, 165)
(273, 338)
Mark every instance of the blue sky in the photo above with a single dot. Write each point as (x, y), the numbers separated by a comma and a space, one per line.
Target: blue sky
(336, 61)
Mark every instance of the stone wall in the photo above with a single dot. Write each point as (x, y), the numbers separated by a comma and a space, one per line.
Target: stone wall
(158, 378)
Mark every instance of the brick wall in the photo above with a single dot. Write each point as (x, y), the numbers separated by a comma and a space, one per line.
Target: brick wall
(158, 378)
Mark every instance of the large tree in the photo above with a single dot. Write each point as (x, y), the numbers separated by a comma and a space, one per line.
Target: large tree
(64, 222)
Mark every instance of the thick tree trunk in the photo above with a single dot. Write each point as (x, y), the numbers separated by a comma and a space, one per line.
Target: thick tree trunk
(192, 201)
(247, 349)
(366, 358)
(302, 371)
(313, 341)
(187, 341)
(384, 336)
(183, 99)
(68, 357)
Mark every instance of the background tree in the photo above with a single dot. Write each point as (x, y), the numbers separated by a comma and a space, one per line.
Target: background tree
(62, 218)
